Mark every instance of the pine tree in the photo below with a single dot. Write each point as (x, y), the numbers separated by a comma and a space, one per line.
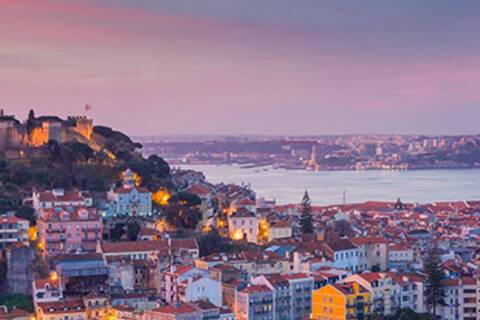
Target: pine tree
(433, 282)
(306, 224)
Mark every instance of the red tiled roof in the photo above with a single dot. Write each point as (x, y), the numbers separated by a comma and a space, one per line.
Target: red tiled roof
(256, 289)
(65, 306)
(181, 308)
(11, 219)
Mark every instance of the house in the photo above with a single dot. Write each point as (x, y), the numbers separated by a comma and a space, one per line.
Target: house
(343, 254)
(61, 310)
(68, 230)
(382, 288)
(14, 314)
(400, 256)
(292, 294)
(129, 199)
(280, 230)
(60, 198)
(21, 265)
(177, 311)
(13, 230)
(47, 290)
(461, 299)
(341, 301)
(373, 253)
(190, 284)
(254, 302)
(243, 225)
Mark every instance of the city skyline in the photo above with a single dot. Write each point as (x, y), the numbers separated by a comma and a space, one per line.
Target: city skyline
(249, 67)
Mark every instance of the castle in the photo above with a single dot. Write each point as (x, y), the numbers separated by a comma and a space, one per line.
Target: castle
(16, 137)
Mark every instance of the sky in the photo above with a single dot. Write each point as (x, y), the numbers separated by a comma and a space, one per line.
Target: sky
(246, 66)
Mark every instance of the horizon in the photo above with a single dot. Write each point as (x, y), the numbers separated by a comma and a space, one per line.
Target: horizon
(249, 67)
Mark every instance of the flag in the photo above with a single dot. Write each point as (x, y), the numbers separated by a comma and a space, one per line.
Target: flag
(88, 107)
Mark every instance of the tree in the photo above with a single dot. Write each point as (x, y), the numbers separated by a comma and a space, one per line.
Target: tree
(133, 229)
(433, 282)
(306, 224)
(213, 242)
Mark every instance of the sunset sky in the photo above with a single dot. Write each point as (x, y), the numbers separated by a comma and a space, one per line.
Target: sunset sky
(246, 66)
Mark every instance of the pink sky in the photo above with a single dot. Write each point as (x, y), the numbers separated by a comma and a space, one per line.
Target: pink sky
(180, 68)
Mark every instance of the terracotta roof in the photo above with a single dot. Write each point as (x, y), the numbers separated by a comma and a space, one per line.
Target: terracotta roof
(41, 283)
(198, 190)
(68, 196)
(65, 306)
(341, 245)
(242, 213)
(129, 190)
(246, 202)
(256, 289)
(181, 308)
(285, 223)
(368, 240)
(10, 219)
(67, 214)
(148, 245)
(14, 313)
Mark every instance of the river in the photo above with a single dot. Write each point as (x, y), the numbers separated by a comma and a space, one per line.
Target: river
(327, 187)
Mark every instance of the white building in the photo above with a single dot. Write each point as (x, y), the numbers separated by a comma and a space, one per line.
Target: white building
(189, 284)
(13, 230)
(243, 225)
(60, 198)
(280, 230)
(400, 256)
(343, 254)
(129, 200)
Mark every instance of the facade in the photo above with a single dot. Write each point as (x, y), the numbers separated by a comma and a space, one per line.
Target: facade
(461, 299)
(21, 265)
(13, 230)
(343, 255)
(243, 225)
(400, 256)
(60, 198)
(68, 230)
(280, 230)
(341, 301)
(189, 284)
(47, 290)
(129, 200)
(178, 311)
(71, 309)
(255, 302)
(373, 253)
(383, 289)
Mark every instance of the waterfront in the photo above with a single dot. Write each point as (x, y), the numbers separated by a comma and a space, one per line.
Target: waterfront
(326, 187)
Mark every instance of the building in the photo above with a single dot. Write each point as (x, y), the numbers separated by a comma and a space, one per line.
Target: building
(400, 256)
(301, 287)
(280, 230)
(13, 230)
(243, 225)
(383, 289)
(82, 273)
(177, 311)
(14, 314)
(254, 302)
(47, 290)
(68, 230)
(190, 284)
(373, 253)
(461, 299)
(21, 265)
(343, 254)
(72, 309)
(281, 291)
(341, 301)
(97, 306)
(129, 200)
(60, 198)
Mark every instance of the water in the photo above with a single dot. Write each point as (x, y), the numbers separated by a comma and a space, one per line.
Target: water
(326, 187)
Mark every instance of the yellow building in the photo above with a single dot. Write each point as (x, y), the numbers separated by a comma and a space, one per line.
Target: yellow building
(341, 302)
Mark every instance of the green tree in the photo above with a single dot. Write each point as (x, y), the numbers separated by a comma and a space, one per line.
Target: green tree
(133, 229)
(433, 282)
(306, 224)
